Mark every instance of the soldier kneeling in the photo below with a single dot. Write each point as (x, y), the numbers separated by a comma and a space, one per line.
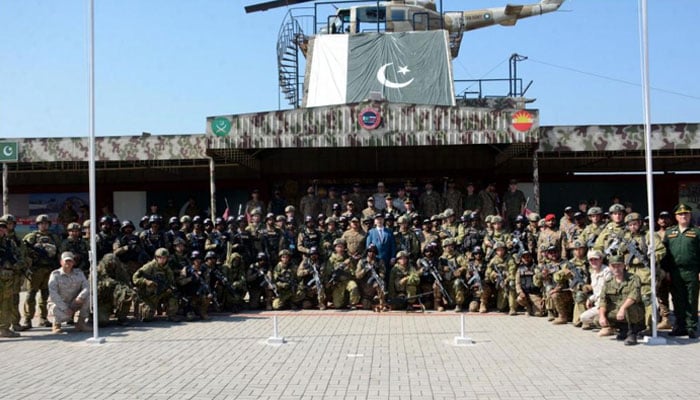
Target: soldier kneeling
(114, 290)
(155, 285)
(403, 283)
(621, 302)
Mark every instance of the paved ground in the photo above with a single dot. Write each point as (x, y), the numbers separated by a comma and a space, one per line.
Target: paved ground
(338, 354)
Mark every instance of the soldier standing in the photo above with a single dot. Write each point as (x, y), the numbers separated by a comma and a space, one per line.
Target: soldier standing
(10, 263)
(20, 268)
(513, 202)
(480, 291)
(309, 205)
(355, 239)
(549, 237)
(613, 230)
(579, 281)
(42, 248)
(309, 237)
(105, 238)
(128, 248)
(430, 201)
(471, 199)
(488, 200)
(254, 202)
(590, 233)
(259, 281)
(683, 246)
(501, 273)
(77, 245)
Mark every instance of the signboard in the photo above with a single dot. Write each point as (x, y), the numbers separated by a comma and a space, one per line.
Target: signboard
(9, 152)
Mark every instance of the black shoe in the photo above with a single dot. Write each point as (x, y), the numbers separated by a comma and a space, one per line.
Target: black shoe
(631, 339)
(678, 331)
(621, 336)
(692, 334)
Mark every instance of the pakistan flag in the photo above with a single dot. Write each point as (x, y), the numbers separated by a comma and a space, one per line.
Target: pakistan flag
(405, 67)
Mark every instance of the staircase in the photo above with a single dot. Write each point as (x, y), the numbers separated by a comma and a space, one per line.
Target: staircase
(290, 41)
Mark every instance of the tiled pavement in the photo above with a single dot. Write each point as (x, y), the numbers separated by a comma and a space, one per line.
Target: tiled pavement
(354, 355)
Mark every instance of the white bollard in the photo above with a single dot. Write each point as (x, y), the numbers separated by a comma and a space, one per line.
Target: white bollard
(275, 338)
(462, 340)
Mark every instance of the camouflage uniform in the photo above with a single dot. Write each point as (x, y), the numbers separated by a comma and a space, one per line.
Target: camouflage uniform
(77, 245)
(579, 281)
(430, 203)
(356, 241)
(42, 248)
(561, 295)
(21, 269)
(615, 294)
(613, 230)
(403, 283)
(406, 240)
(284, 278)
(501, 272)
(480, 290)
(371, 287)
(234, 271)
(114, 291)
(341, 282)
(256, 276)
(10, 263)
(429, 262)
(454, 268)
(154, 282)
(529, 294)
(308, 270)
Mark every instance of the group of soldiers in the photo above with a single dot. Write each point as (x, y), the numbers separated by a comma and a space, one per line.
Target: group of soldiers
(382, 260)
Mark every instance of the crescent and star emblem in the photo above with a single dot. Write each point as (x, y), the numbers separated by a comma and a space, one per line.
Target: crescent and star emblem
(7, 151)
(381, 77)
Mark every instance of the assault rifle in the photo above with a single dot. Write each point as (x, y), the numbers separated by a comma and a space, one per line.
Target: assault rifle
(576, 279)
(267, 282)
(475, 280)
(374, 277)
(438, 282)
(500, 279)
(218, 276)
(205, 290)
(591, 241)
(162, 286)
(634, 251)
(613, 247)
(316, 281)
(453, 268)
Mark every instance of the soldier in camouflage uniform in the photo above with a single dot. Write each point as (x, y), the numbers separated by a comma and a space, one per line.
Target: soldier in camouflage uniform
(272, 239)
(406, 239)
(232, 291)
(308, 271)
(533, 234)
(472, 200)
(309, 205)
(154, 283)
(105, 238)
(153, 237)
(114, 291)
(529, 294)
(284, 278)
(308, 237)
(430, 201)
(370, 274)
(579, 280)
(77, 245)
(454, 268)
(590, 233)
(549, 265)
(427, 236)
(10, 264)
(615, 229)
(193, 283)
(128, 248)
(343, 288)
(488, 200)
(258, 275)
(425, 267)
(449, 227)
(42, 249)
(453, 198)
(475, 278)
(549, 237)
(574, 233)
(621, 302)
(355, 239)
(561, 295)
(513, 202)
(501, 272)
(197, 239)
(403, 283)
(497, 235)
(636, 256)
(242, 242)
(21, 269)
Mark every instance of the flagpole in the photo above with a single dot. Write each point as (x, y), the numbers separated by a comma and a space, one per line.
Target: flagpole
(95, 339)
(654, 339)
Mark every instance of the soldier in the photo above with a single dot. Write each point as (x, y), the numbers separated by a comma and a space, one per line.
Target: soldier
(479, 291)
(488, 200)
(533, 234)
(309, 205)
(590, 233)
(561, 295)
(403, 283)
(380, 197)
(21, 269)
(67, 214)
(349, 210)
(259, 282)
(636, 255)
(254, 229)
(331, 234)
(309, 237)
(612, 231)
(406, 239)
(549, 237)
(501, 273)
(114, 291)
(344, 290)
(574, 233)
(217, 241)
(105, 238)
(513, 202)
(663, 286)
(197, 239)
(78, 246)
(272, 239)
(370, 278)
(230, 282)
(599, 273)
(453, 198)
(355, 239)
(400, 200)
(472, 200)
(284, 279)
(427, 269)
(529, 294)
(185, 224)
(471, 235)
(519, 237)
(549, 265)
(430, 201)
(194, 286)
(42, 249)
(312, 274)
(683, 246)
(242, 242)
(427, 235)
(155, 285)
(128, 248)
(69, 293)
(621, 302)
(449, 227)
(579, 281)
(566, 224)
(370, 211)
(389, 208)
(173, 233)
(454, 270)
(10, 266)
(254, 203)
(497, 235)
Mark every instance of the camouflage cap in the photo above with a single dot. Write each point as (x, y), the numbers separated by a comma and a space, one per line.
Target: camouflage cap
(448, 242)
(499, 244)
(533, 217)
(616, 208)
(402, 254)
(579, 244)
(67, 255)
(595, 211)
(403, 220)
(284, 252)
(339, 242)
(280, 218)
(331, 220)
(632, 217)
(8, 218)
(616, 260)
(489, 219)
(682, 208)
(162, 252)
(256, 211)
(496, 219)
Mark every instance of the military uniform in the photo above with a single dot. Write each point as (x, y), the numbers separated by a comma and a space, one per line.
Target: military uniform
(257, 275)
(683, 246)
(341, 283)
(561, 295)
(356, 241)
(114, 291)
(42, 248)
(430, 203)
(10, 263)
(155, 282)
(370, 275)
(307, 272)
(403, 283)
(285, 279)
(79, 247)
(21, 269)
(529, 295)
(501, 273)
(614, 295)
(579, 283)
(234, 271)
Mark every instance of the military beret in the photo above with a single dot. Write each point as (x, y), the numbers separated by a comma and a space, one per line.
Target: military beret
(682, 208)
(550, 217)
(616, 208)
(594, 211)
(632, 217)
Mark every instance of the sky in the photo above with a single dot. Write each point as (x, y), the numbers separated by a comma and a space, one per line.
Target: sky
(163, 66)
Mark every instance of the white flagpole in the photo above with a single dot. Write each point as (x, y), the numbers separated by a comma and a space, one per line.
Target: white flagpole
(654, 339)
(91, 154)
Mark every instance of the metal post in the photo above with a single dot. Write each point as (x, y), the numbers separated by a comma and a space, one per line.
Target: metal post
(5, 191)
(536, 181)
(95, 339)
(275, 339)
(212, 188)
(462, 340)
(654, 339)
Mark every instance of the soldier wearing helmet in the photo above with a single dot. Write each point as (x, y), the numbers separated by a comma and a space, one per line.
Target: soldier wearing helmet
(194, 285)
(313, 276)
(480, 290)
(186, 224)
(370, 275)
(173, 233)
(259, 282)
(153, 237)
(42, 249)
(406, 239)
(217, 241)
(500, 272)
(308, 237)
(427, 269)
(76, 244)
(271, 239)
(403, 282)
(342, 277)
(285, 279)
(155, 284)
(105, 237)
(198, 237)
(128, 248)
(614, 229)
(20, 269)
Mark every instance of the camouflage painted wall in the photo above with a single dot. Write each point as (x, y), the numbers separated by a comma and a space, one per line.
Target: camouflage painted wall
(117, 148)
(618, 137)
(401, 125)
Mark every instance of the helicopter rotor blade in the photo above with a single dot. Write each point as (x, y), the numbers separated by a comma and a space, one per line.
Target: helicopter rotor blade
(272, 4)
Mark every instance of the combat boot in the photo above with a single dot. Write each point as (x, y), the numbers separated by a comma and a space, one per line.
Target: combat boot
(458, 308)
(56, 329)
(664, 324)
(80, 326)
(550, 315)
(473, 306)
(631, 339)
(482, 308)
(607, 331)
(17, 328)
(45, 323)
(26, 324)
(8, 333)
(560, 320)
